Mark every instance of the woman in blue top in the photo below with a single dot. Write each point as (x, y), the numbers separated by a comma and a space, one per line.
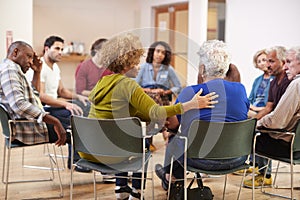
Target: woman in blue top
(233, 105)
(260, 89)
(158, 77)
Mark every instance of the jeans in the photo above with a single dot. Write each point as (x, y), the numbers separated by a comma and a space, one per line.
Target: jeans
(85, 109)
(206, 164)
(63, 115)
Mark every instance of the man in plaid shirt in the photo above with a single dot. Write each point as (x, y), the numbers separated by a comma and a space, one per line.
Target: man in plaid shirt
(18, 97)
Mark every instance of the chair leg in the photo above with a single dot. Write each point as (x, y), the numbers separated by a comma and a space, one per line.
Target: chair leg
(225, 186)
(273, 186)
(7, 172)
(71, 184)
(95, 186)
(169, 186)
(58, 173)
(6, 166)
(243, 178)
(152, 177)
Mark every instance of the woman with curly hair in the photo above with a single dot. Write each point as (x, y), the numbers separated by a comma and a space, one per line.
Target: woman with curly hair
(117, 96)
(158, 77)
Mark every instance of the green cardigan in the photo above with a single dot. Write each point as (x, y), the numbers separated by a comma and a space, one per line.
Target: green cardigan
(117, 96)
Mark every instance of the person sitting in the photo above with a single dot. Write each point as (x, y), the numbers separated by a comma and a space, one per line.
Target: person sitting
(285, 116)
(88, 72)
(118, 96)
(158, 77)
(17, 95)
(233, 106)
(275, 63)
(52, 86)
(259, 93)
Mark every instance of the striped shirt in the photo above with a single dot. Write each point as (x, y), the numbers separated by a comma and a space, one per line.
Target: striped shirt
(17, 95)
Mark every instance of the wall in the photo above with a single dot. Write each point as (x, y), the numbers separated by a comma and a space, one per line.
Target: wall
(15, 16)
(250, 25)
(82, 21)
(256, 24)
(196, 28)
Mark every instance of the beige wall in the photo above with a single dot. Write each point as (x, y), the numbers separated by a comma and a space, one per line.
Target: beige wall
(15, 16)
(81, 21)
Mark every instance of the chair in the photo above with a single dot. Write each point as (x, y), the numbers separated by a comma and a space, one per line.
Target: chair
(119, 140)
(218, 140)
(295, 147)
(7, 131)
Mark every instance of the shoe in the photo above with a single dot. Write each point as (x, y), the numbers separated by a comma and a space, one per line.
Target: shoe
(160, 172)
(134, 196)
(82, 169)
(248, 171)
(122, 192)
(152, 148)
(79, 168)
(258, 182)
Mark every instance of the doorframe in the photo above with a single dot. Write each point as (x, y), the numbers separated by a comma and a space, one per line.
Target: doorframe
(171, 9)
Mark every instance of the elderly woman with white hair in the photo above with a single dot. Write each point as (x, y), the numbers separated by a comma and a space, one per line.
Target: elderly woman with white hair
(233, 106)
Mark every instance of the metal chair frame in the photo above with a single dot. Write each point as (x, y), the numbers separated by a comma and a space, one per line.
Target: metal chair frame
(7, 132)
(294, 146)
(90, 135)
(202, 130)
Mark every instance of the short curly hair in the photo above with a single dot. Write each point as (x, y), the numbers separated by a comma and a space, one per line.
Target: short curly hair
(215, 57)
(120, 52)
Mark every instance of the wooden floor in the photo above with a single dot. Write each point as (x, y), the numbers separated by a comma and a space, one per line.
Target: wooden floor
(83, 188)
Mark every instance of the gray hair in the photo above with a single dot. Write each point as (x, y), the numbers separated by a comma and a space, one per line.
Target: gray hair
(279, 50)
(215, 57)
(295, 49)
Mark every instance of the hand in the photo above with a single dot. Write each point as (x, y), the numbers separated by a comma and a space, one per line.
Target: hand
(37, 64)
(167, 92)
(83, 99)
(199, 102)
(158, 91)
(61, 134)
(74, 109)
(207, 100)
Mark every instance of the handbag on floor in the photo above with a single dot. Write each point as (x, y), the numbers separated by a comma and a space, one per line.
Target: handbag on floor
(199, 193)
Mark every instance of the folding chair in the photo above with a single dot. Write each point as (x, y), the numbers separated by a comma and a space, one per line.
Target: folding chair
(7, 130)
(120, 141)
(218, 140)
(294, 147)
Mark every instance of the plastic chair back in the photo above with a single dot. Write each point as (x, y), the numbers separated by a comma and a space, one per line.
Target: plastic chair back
(4, 121)
(296, 146)
(220, 140)
(108, 137)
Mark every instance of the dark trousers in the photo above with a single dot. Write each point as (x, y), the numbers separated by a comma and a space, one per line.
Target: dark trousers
(272, 147)
(63, 115)
(175, 149)
(136, 183)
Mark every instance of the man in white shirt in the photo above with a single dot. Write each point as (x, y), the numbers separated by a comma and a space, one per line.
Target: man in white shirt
(51, 84)
(59, 101)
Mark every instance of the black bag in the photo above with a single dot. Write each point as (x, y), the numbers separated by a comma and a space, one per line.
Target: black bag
(199, 193)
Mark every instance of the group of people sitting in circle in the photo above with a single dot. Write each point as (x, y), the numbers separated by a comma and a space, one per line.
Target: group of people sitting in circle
(111, 85)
